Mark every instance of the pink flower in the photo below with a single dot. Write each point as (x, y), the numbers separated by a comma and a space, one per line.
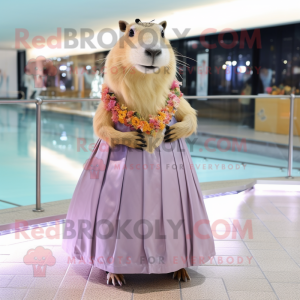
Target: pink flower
(154, 122)
(175, 84)
(105, 89)
(105, 102)
(115, 116)
(172, 95)
(141, 126)
(130, 114)
(176, 102)
(111, 104)
(168, 118)
(170, 102)
(269, 90)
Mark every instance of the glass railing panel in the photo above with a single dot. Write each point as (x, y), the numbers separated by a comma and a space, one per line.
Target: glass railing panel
(67, 142)
(296, 139)
(240, 141)
(71, 107)
(17, 155)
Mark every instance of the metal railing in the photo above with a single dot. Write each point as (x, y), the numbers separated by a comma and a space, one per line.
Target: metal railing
(39, 102)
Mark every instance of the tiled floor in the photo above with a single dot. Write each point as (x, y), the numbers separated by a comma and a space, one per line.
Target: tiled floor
(265, 266)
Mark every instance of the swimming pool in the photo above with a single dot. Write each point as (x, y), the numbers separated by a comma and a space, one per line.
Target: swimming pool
(63, 158)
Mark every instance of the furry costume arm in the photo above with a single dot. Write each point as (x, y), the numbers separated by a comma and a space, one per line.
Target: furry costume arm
(104, 129)
(186, 124)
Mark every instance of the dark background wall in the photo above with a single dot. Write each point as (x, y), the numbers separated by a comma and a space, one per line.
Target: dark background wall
(275, 46)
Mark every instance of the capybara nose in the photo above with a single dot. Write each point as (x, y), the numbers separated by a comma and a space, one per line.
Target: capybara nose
(152, 52)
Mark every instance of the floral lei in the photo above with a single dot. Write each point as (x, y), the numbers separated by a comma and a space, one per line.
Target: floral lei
(133, 119)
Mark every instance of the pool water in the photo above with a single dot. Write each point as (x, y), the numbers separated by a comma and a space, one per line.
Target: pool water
(63, 159)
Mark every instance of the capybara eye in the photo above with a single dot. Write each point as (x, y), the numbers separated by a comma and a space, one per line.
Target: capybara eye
(35, 258)
(162, 34)
(131, 33)
(43, 258)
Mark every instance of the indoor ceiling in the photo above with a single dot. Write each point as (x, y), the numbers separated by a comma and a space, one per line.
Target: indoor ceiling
(43, 18)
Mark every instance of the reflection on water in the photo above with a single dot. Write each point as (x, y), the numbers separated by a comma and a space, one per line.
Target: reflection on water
(62, 162)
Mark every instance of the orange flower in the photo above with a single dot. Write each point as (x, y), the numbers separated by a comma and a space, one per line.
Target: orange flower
(122, 113)
(161, 114)
(161, 126)
(117, 107)
(121, 120)
(135, 121)
(146, 127)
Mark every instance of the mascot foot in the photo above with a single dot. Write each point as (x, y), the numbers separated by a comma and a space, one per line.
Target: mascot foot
(111, 277)
(181, 275)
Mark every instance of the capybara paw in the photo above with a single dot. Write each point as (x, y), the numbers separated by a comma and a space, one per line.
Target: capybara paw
(175, 132)
(114, 278)
(134, 140)
(181, 275)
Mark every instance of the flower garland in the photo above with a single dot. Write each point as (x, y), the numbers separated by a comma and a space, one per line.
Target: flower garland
(133, 119)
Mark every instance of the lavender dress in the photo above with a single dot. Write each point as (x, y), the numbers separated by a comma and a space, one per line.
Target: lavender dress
(136, 212)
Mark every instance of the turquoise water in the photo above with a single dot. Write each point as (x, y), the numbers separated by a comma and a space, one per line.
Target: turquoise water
(62, 159)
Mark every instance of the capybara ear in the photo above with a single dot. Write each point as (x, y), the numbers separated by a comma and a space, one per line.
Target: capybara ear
(122, 25)
(163, 24)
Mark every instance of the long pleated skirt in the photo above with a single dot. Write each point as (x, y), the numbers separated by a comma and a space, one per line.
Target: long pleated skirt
(137, 212)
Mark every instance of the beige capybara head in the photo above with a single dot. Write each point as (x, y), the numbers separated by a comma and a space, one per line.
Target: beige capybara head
(140, 68)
